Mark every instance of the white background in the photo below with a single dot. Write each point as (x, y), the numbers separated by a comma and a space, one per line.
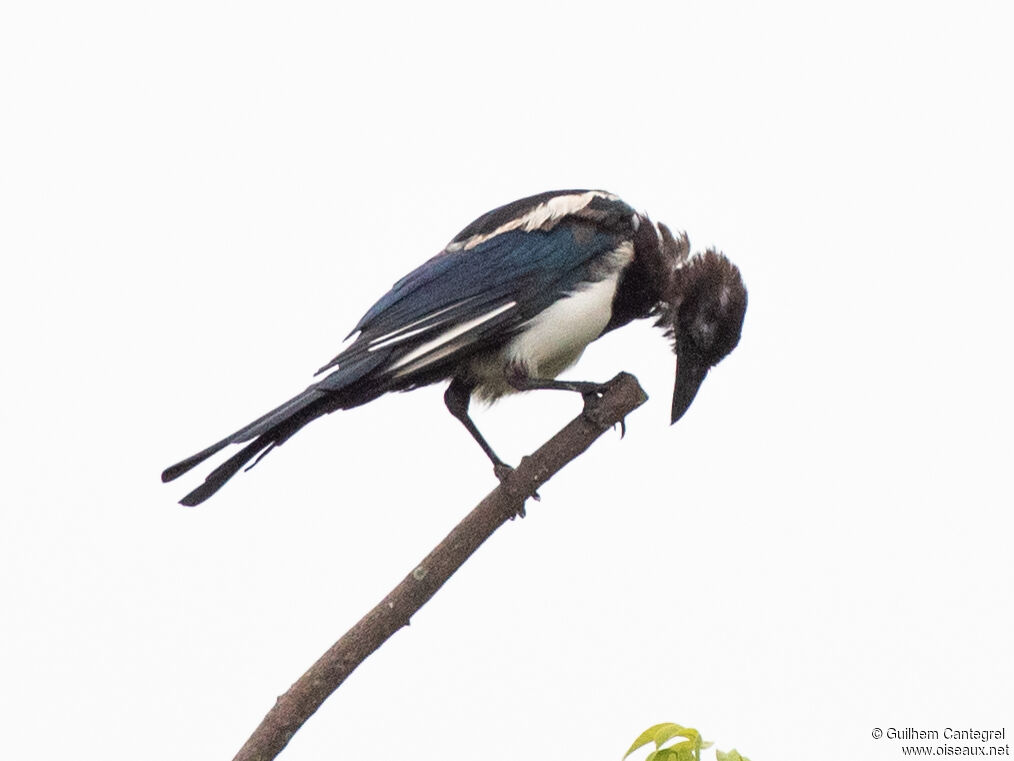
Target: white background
(198, 201)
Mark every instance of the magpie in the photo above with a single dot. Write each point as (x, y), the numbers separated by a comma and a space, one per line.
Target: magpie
(511, 302)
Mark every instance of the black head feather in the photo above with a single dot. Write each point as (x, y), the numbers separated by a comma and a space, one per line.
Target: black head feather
(703, 316)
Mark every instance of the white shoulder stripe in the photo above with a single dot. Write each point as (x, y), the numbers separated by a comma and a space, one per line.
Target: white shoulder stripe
(546, 213)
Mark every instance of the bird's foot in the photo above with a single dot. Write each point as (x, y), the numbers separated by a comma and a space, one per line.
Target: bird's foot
(503, 471)
(592, 392)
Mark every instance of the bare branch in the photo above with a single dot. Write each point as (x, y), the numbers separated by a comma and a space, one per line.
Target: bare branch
(623, 395)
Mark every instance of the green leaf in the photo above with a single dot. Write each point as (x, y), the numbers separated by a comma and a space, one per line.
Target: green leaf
(732, 755)
(689, 748)
(679, 752)
(650, 735)
(665, 732)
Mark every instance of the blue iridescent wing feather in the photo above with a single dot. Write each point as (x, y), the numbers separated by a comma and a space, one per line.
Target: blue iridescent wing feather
(530, 269)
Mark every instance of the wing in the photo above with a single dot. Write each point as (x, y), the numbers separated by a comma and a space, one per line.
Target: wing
(494, 276)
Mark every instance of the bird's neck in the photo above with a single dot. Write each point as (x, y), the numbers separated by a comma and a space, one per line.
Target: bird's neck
(641, 282)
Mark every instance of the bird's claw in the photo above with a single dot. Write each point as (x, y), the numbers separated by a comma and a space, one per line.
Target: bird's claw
(503, 471)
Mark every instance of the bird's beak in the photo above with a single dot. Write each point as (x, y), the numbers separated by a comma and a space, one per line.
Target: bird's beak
(689, 376)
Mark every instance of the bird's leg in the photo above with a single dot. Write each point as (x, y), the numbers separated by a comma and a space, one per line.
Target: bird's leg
(590, 391)
(456, 398)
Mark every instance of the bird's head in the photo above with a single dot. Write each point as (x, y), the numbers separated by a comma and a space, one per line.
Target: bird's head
(703, 316)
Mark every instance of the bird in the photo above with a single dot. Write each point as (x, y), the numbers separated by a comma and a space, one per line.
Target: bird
(506, 306)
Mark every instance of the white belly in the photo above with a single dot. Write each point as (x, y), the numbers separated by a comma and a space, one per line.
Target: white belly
(551, 341)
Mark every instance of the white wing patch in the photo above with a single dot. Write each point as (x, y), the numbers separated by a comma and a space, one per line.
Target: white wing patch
(406, 331)
(544, 216)
(443, 344)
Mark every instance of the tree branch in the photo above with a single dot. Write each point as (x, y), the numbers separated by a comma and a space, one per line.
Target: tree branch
(623, 394)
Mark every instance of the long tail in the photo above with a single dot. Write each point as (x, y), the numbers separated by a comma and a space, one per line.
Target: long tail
(265, 433)
(272, 429)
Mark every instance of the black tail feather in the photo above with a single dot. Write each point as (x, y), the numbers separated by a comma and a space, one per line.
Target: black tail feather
(175, 471)
(216, 479)
(264, 433)
(339, 390)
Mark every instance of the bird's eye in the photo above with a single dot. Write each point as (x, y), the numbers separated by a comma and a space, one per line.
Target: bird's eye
(703, 332)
